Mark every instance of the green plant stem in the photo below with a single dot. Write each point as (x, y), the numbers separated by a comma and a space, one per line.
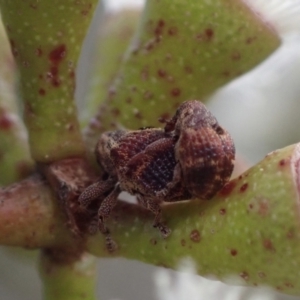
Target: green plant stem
(255, 218)
(182, 51)
(46, 39)
(68, 280)
(15, 161)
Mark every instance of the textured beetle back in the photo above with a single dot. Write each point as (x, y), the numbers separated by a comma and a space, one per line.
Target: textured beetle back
(206, 167)
(204, 149)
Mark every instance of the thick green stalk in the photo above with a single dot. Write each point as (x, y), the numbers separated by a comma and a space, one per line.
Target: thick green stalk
(249, 232)
(46, 38)
(182, 50)
(68, 280)
(15, 161)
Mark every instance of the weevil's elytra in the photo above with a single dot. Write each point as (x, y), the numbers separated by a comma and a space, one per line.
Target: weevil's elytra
(192, 156)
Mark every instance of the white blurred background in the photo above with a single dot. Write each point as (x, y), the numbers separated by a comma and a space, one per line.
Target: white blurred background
(260, 109)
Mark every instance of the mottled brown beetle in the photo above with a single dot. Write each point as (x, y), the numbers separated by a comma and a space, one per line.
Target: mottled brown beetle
(191, 157)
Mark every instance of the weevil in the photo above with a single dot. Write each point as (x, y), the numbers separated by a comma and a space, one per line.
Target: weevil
(191, 157)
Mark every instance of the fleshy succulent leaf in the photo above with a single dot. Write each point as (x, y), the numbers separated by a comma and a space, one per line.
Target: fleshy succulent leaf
(46, 39)
(182, 51)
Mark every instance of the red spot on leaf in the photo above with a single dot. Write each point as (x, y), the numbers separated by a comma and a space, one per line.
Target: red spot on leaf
(195, 236)
(283, 162)
(158, 30)
(86, 10)
(222, 211)
(183, 242)
(226, 73)
(268, 245)
(115, 111)
(205, 36)
(52, 76)
(70, 127)
(6, 122)
(236, 56)
(57, 54)
(250, 40)
(244, 187)
(42, 92)
(161, 23)
(227, 189)
(28, 108)
(209, 33)
(161, 73)
(260, 205)
(233, 252)
(175, 92)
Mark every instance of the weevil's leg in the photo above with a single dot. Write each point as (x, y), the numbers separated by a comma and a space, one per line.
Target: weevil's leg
(95, 191)
(177, 177)
(104, 212)
(154, 207)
